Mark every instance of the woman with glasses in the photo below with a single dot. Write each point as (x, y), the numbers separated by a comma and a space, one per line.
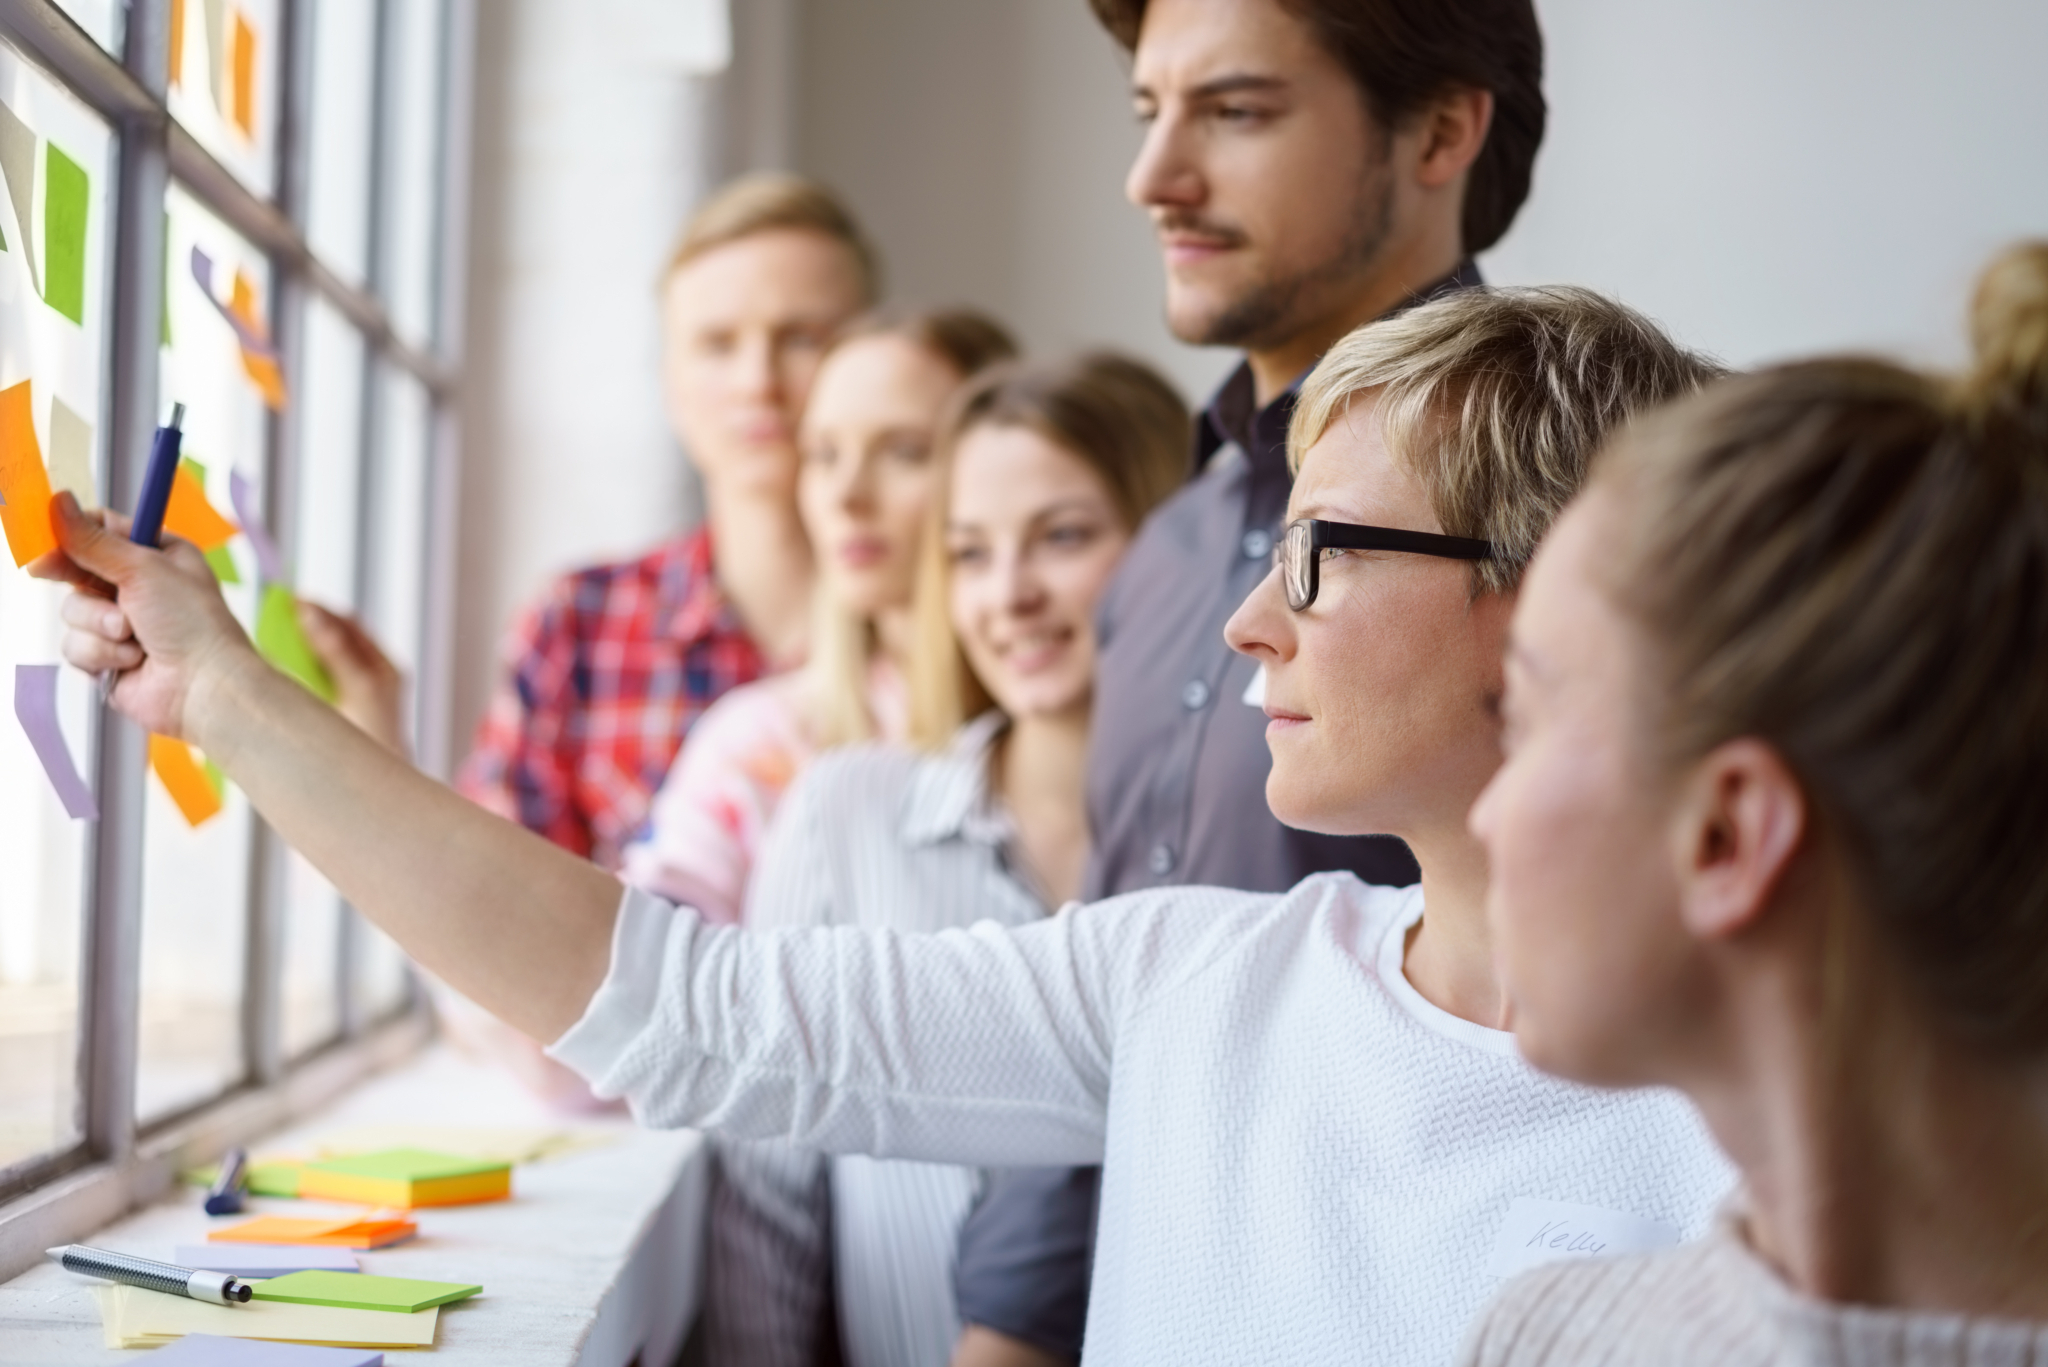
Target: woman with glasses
(1771, 832)
(1318, 1142)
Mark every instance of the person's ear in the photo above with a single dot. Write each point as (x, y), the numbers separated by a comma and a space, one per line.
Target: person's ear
(1738, 820)
(1453, 132)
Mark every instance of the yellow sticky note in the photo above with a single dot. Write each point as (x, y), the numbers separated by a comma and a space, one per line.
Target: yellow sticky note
(137, 1318)
(189, 514)
(184, 779)
(24, 483)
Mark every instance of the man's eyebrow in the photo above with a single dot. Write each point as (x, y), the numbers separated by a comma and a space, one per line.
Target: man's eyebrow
(1232, 83)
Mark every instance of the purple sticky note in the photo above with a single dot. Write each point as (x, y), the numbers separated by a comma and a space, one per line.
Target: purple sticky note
(269, 563)
(265, 1260)
(35, 707)
(211, 1350)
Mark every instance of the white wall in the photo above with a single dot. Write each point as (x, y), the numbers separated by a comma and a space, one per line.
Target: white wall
(1771, 177)
(594, 138)
(985, 146)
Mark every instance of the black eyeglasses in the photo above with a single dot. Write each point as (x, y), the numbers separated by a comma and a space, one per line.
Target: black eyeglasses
(1300, 552)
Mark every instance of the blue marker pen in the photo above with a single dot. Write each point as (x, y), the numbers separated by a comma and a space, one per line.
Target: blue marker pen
(157, 478)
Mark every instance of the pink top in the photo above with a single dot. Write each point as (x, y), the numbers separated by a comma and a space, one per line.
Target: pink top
(711, 815)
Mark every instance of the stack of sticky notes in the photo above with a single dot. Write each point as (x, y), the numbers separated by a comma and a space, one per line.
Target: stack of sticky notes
(135, 1318)
(211, 1350)
(265, 1260)
(406, 1178)
(359, 1291)
(367, 1232)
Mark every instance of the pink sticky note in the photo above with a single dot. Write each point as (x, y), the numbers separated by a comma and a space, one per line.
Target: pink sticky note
(35, 707)
(249, 513)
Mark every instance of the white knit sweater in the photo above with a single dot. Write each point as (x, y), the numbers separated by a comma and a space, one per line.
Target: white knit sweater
(1304, 1161)
(1714, 1303)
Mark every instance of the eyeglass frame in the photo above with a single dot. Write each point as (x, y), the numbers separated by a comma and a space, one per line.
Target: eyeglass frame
(1323, 535)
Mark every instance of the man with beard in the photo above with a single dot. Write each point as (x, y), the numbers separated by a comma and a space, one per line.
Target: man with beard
(1309, 166)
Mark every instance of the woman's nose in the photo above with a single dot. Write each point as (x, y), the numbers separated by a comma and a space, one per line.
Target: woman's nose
(1263, 627)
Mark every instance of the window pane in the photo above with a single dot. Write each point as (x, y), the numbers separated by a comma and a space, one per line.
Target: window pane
(103, 19)
(56, 163)
(328, 482)
(413, 168)
(195, 895)
(224, 83)
(396, 608)
(344, 43)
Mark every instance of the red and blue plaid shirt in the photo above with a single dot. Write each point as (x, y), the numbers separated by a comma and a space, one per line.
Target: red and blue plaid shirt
(603, 679)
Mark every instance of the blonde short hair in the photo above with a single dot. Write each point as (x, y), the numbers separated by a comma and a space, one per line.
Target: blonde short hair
(1496, 399)
(769, 201)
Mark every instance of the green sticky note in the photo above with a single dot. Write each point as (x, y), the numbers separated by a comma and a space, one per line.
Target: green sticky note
(280, 640)
(66, 192)
(359, 1291)
(409, 1165)
(223, 565)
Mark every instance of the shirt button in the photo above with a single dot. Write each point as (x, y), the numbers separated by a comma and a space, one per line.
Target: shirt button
(1161, 860)
(1195, 696)
(1258, 544)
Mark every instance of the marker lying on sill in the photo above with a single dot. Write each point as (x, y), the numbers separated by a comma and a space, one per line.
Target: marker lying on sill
(217, 1288)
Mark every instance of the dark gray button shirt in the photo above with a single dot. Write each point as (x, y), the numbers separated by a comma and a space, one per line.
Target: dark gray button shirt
(1177, 768)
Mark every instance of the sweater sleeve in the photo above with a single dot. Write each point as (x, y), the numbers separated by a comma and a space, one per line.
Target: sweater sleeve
(985, 1047)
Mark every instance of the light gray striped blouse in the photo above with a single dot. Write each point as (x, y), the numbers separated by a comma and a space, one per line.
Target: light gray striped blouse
(876, 835)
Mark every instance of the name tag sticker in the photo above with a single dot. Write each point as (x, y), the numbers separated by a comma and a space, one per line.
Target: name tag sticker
(1538, 1232)
(1255, 691)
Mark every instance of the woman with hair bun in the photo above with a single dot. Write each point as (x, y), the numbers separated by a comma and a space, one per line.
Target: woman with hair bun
(1773, 830)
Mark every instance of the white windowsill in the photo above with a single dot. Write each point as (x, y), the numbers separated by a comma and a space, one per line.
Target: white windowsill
(597, 1257)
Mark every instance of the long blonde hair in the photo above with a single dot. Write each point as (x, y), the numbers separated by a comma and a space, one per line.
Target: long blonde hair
(843, 644)
(1116, 415)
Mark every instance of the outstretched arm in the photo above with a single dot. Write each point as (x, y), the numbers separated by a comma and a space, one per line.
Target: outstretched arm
(520, 927)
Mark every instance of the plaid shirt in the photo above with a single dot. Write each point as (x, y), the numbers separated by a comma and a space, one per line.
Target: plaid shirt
(604, 678)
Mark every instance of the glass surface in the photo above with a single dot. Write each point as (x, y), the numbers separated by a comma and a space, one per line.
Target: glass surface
(195, 893)
(396, 609)
(56, 161)
(105, 20)
(224, 83)
(340, 103)
(328, 484)
(413, 168)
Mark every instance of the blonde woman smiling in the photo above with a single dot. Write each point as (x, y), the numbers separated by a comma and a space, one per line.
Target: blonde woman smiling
(1045, 472)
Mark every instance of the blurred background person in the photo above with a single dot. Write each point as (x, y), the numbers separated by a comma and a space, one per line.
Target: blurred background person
(606, 674)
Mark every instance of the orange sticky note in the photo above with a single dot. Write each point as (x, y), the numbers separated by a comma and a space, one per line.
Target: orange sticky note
(258, 364)
(189, 514)
(243, 104)
(184, 779)
(370, 1232)
(24, 483)
(177, 42)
